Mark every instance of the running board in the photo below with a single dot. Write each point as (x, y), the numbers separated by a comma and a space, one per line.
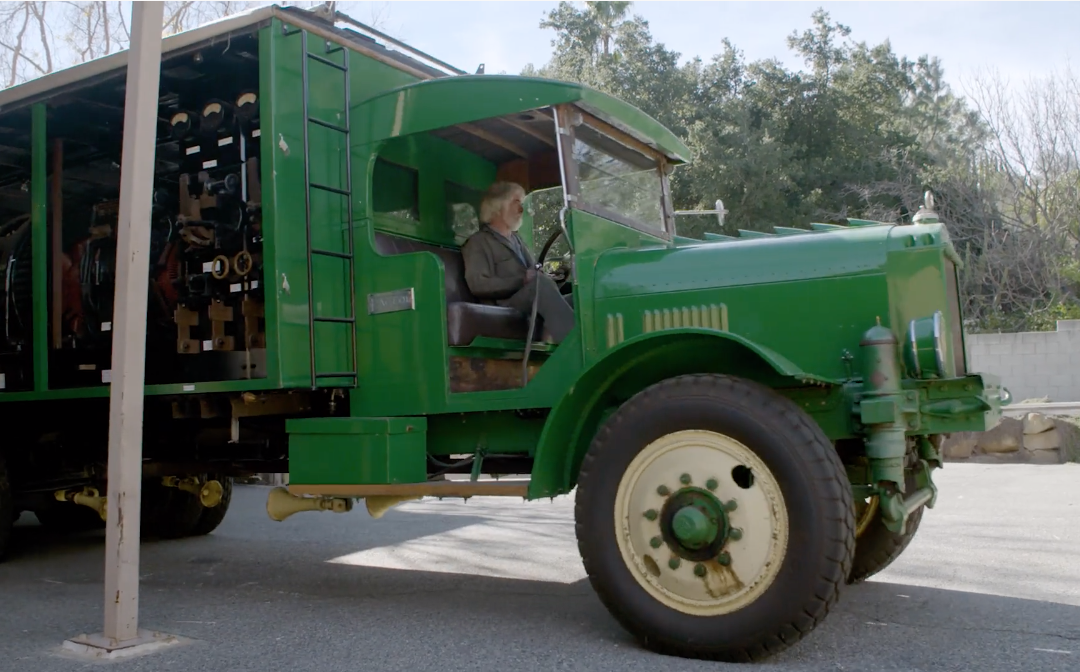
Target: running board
(282, 503)
(502, 488)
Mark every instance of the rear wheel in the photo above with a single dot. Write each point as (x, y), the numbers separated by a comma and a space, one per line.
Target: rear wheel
(68, 518)
(212, 516)
(168, 513)
(714, 519)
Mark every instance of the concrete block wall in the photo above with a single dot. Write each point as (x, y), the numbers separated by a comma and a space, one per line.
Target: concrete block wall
(1031, 364)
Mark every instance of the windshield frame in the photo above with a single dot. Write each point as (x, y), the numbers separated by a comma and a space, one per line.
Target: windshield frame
(570, 118)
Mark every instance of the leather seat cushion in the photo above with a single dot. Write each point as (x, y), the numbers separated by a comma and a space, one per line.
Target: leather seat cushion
(466, 318)
(466, 321)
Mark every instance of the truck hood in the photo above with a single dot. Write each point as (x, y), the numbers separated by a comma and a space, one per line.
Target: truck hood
(623, 272)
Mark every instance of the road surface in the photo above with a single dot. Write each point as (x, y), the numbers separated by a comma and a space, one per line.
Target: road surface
(991, 583)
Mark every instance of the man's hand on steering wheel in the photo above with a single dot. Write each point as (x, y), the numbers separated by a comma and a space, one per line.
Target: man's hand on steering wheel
(559, 278)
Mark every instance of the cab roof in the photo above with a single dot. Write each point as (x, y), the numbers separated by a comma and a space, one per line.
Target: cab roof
(441, 103)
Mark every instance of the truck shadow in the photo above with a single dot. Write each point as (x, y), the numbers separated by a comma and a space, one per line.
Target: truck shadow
(455, 584)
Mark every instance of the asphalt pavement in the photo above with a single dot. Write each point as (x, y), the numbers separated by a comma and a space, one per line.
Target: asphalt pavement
(991, 583)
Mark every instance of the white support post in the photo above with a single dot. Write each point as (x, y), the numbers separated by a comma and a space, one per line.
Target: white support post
(121, 633)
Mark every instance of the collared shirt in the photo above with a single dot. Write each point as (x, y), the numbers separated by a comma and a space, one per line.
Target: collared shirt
(517, 248)
(515, 244)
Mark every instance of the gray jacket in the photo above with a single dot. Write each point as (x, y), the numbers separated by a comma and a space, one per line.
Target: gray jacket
(493, 270)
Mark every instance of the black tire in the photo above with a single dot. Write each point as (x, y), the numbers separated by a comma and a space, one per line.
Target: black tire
(7, 510)
(168, 513)
(212, 516)
(69, 518)
(877, 547)
(810, 476)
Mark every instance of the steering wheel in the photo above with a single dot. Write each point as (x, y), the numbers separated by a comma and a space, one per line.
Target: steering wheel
(532, 317)
(544, 252)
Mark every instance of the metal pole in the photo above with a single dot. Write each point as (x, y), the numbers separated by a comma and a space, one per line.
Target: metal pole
(129, 324)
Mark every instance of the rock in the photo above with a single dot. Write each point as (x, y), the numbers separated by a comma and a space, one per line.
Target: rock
(1050, 440)
(1004, 438)
(1036, 423)
(1051, 456)
(959, 448)
(1070, 439)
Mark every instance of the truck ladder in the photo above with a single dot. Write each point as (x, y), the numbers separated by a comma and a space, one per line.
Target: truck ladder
(346, 193)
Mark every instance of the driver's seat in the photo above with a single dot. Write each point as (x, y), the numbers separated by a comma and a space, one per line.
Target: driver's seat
(466, 317)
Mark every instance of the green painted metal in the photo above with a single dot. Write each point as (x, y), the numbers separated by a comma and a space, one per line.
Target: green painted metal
(923, 355)
(718, 237)
(693, 528)
(269, 91)
(817, 226)
(864, 222)
(283, 168)
(500, 432)
(209, 387)
(357, 451)
(881, 404)
(39, 180)
(789, 231)
(438, 103)
(744, 233)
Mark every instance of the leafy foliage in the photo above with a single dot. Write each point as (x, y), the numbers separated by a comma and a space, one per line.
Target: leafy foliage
(859, 132)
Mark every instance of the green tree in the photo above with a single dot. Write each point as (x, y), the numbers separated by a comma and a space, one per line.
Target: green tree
(859, 132)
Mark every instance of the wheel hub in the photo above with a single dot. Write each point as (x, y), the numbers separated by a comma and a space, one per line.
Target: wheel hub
(694, 524)
(702, 522)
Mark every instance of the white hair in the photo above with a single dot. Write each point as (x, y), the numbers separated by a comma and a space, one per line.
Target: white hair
(496, 198)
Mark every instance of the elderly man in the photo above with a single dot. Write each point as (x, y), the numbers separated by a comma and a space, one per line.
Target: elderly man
(499, 268)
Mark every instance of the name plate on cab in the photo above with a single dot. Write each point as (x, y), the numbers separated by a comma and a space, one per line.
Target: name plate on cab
(391, 302)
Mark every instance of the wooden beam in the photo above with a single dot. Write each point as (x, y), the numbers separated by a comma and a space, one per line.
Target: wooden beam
(524, 128)
(494, 139)
(621, 136)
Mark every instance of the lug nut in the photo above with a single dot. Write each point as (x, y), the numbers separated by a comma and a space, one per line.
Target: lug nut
(655, 542)
(663, 491)
(724, 559)
(651, 514)
(735, 534)
(711, 484)
(685, 479)
(699, 569)
(731, 505)
(674, 563)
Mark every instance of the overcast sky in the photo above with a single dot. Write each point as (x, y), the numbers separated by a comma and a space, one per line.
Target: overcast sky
(1018, 38)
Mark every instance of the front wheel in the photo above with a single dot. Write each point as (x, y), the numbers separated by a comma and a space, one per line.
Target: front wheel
(876, 546)
(714, 519)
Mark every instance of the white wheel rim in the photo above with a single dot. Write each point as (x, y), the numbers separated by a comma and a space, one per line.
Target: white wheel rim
(702, 587)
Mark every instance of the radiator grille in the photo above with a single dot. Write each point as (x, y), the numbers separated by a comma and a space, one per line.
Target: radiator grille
(956, 323)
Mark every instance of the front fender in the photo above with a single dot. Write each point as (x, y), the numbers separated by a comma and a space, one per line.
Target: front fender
(629, 368)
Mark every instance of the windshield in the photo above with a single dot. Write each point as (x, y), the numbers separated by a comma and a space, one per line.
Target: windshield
(617, 182)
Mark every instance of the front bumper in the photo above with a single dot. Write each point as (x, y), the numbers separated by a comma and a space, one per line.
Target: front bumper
(968, 404)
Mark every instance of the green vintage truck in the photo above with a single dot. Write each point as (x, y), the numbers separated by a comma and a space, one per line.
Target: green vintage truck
(749, 423)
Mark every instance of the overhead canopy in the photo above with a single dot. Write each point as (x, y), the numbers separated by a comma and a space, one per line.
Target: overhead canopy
(469, 99)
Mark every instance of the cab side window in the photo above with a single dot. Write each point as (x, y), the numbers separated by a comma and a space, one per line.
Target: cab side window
(395, 191)
(462, 210)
